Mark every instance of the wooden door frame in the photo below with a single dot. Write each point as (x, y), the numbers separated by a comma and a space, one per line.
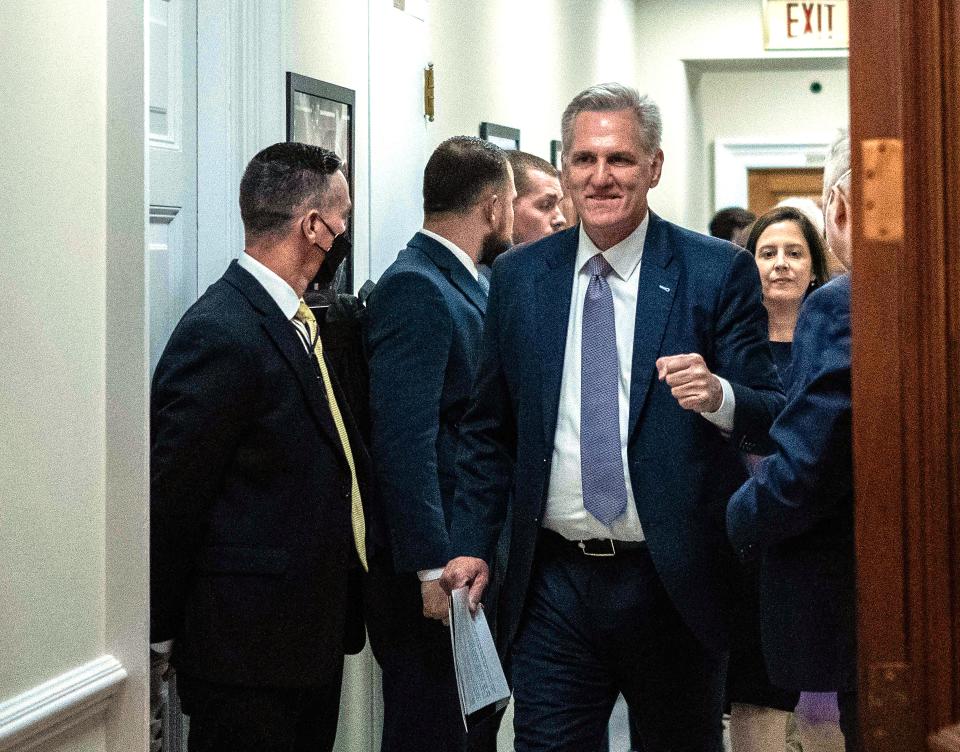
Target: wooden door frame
(906, 381)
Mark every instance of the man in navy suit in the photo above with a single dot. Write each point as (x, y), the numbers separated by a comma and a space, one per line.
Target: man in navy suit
(796, 513)
(623, 362)
(424, 324)
(258, 476)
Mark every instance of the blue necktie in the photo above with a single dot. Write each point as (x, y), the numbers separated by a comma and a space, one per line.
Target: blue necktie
(601, 465)
(484, 283)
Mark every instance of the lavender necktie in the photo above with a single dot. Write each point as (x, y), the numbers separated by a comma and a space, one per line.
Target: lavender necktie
(604, 489)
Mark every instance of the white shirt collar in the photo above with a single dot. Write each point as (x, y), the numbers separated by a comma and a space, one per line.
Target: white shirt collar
(624, 257)
(462, 255)
(276, 287)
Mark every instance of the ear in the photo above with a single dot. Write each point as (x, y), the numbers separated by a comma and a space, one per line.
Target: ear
(492, 206)
(656, 168)
(310, 226)
(842, 212)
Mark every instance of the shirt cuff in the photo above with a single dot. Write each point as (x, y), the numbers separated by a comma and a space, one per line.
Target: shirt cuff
(723, 417)
(428, 575)
(162, 647)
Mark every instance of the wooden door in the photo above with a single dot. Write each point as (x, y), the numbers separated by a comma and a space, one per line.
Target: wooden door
(906, 372)
(767, 187)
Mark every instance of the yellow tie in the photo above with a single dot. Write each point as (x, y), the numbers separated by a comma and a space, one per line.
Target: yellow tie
(305, 315)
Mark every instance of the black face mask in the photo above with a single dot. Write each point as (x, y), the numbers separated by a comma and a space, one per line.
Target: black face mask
(339, 250)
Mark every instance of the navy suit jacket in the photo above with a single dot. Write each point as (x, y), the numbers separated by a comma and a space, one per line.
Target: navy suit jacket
(251, 542)
(796, 513)
(424, 321)
(696, 294)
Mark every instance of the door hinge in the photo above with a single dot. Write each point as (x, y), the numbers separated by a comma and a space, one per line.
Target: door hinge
(883, 190)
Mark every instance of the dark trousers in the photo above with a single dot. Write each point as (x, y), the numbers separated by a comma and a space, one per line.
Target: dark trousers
(259, 719)
(847, 704)
(421, 708)
(596, 627)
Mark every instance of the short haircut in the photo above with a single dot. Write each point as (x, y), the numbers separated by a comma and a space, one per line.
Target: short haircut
(458, 172)
(815, 241)
(522, 162)
(727, 221)
(614, 97)
(279, 180)
(837, 167)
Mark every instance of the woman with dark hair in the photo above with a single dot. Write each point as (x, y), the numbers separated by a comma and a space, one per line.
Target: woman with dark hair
(791, 258)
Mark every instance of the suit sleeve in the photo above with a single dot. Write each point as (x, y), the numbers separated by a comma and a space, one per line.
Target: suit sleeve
(409, 335)
(809, 474)
(742, 353)
(200, 390)
(485, 463)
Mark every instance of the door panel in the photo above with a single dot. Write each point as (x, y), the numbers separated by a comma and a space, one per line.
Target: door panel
(768, 187)
(172, 166)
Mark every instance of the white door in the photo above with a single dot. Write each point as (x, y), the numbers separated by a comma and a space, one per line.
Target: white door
(172, 166)
(172, 234)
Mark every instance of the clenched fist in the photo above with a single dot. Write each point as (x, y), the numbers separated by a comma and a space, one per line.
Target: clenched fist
(690, 382)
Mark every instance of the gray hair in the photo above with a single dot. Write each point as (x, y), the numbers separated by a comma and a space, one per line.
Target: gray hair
(837, 167)
(614, 97)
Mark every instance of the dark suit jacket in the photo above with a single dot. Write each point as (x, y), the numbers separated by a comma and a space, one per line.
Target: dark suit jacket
(423, 327)
(696, 294)
(797, 511)
(251, 540)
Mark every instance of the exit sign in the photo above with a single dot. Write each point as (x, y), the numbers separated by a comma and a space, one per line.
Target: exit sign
(805, 25)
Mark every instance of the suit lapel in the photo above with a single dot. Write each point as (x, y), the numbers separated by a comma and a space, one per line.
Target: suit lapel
(656, 290)
(452, 269)
(281, 332)
(553, 291)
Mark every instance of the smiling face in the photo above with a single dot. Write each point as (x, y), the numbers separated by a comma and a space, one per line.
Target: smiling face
(786, 267)
(608, 174)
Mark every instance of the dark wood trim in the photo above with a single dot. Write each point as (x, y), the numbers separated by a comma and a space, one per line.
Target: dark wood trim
(906, 380)
(951, 128)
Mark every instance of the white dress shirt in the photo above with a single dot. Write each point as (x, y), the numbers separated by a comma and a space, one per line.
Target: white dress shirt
(564, 512)
(462, 255)
(278, 289)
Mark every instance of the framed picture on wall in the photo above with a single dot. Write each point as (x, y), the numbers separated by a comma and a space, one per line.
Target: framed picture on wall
(503, 136)
(322, 114)
(556, 153)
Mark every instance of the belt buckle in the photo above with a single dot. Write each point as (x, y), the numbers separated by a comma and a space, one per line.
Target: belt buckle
(601, 554)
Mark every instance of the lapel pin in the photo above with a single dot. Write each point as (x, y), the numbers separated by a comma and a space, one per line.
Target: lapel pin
(665, 289)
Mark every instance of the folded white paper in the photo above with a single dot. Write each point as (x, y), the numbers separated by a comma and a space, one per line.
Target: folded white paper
(481, 683)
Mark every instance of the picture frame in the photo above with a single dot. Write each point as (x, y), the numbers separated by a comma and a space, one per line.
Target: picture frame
(502, 135)
(323, 114)
(556, 153)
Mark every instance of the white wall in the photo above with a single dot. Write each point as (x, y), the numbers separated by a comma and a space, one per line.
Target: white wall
(486, 68)
(519, 64)
(670, 33)
(64, 218)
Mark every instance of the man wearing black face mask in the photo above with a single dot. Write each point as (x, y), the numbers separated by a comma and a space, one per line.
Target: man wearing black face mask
(258, 480)
(424, 324)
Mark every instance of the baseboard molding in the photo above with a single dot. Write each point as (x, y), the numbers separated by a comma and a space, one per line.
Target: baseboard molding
(54, 706)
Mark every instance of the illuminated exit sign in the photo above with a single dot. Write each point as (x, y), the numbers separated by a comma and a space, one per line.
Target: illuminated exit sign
(805, 26)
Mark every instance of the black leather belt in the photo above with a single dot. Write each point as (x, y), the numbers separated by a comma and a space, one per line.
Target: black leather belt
(596, 547)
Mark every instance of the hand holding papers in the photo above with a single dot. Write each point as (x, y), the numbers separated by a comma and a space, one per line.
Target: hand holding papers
(481, 683)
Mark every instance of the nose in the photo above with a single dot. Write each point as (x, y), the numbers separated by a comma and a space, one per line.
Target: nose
(557, 221)
(781, 261)
(601, 173)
